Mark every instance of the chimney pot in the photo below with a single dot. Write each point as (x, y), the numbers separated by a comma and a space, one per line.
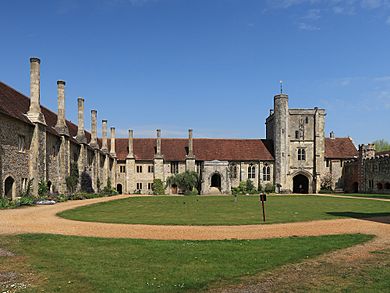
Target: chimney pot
(93, 143)
(104, 136)
(81, 138)
(34, 113)
(61, 126)
(112, 140)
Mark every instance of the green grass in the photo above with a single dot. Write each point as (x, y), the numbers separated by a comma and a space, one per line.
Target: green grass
(366, 195)
(82, 264)
(222, 210)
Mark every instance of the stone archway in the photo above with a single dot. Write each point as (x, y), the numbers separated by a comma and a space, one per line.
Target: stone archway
(9, 188)
(300, 184)
(119, 188)
(216, 181)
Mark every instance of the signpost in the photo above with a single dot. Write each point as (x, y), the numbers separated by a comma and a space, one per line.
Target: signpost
(263, 198)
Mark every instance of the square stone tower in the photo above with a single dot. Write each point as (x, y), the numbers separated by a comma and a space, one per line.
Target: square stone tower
(299, 146)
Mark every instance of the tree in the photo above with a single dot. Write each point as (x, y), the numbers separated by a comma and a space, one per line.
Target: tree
(158, 187)
(327, 182)
(187, 181)
(73, 179)
(381, 145)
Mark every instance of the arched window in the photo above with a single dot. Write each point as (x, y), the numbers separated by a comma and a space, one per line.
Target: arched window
(251, 172)
(387, 185)
(301, 154)
(266, 173)
(379, 186)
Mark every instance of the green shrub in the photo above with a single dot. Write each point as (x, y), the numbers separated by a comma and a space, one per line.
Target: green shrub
(269, 188)
(194, 191)
(26, 201)
(73, 179)
(27, 191)
(185, 181)
(158, 187)
(42, 187)
(245, 187)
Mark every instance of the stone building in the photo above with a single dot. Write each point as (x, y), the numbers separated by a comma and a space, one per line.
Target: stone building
(40, 144)
(369, 172)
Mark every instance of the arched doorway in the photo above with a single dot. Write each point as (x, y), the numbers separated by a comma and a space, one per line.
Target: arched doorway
(355, 187)
(9, 187)
(301, 184)
(49, 186)
(174, 189)
(119, 188)
(216, 181)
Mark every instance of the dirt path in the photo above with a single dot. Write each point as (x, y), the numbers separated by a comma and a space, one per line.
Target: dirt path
(43, 219)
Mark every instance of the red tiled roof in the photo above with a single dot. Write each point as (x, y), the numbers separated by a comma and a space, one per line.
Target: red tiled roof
(382, 153)
(205, 149)
(340, 148)
(16, 105)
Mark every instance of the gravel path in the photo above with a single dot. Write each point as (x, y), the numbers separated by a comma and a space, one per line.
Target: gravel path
(43, 219)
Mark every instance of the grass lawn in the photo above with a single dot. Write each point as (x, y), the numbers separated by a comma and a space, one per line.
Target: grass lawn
(82, 264)
(385, 196)
(222, 210)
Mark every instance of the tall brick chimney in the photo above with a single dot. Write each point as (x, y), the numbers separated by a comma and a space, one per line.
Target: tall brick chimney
(190, 144)
(158, 151)
(104, 136)
(131, 147)
(93, 143)
(61, 126)
(81, 138)
(112, 140)
(34, 113)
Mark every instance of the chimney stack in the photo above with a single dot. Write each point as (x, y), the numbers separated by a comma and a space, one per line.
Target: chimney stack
(112, 150)
(34, 113)
(93, 143)
(81, 138)
(104, 136)
(131, 149)
(61, 126)
(190, 144)
(158, 152)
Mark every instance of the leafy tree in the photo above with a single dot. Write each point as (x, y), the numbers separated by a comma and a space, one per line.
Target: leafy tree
(327, 182)
(73, 179)
(186, 181)
(381, 145)
(158, 187)
(42, 187)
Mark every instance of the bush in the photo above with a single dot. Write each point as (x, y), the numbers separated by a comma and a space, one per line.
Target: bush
(269, 188)
(327, 182)
(158, 187)
(26, 201)
(42, 188)
(250, 188)
(186, 181)
(86, 183)
(193, 192)
(73, 179)
(245, 187)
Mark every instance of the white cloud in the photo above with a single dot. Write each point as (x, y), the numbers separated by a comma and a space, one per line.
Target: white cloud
(313, 14)
(308, 27)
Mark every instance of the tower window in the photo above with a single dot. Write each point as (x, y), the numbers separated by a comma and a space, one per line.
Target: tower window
(296, 134)
(307, 120)
(21, 143)
(301, 154)
(122, 169)
(150, 169)
(251, 172)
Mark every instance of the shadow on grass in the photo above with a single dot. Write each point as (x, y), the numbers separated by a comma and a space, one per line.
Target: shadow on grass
(374, 217)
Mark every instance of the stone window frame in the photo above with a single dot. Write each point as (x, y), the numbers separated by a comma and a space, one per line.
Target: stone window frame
(266, 173)
(301, 154)
(251, 171)
(174, 167)
(122, 169)
(139, 185)
(21, 143)
(139, 168)
(150, 169)
(150, 185)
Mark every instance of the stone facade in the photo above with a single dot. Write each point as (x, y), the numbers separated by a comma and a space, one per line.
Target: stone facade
(369, 172)
(295, 156)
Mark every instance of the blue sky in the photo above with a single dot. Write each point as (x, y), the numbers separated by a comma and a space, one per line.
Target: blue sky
(210, 65)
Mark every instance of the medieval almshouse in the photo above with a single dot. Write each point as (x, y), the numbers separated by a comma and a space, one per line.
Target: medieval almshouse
(38, 143)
